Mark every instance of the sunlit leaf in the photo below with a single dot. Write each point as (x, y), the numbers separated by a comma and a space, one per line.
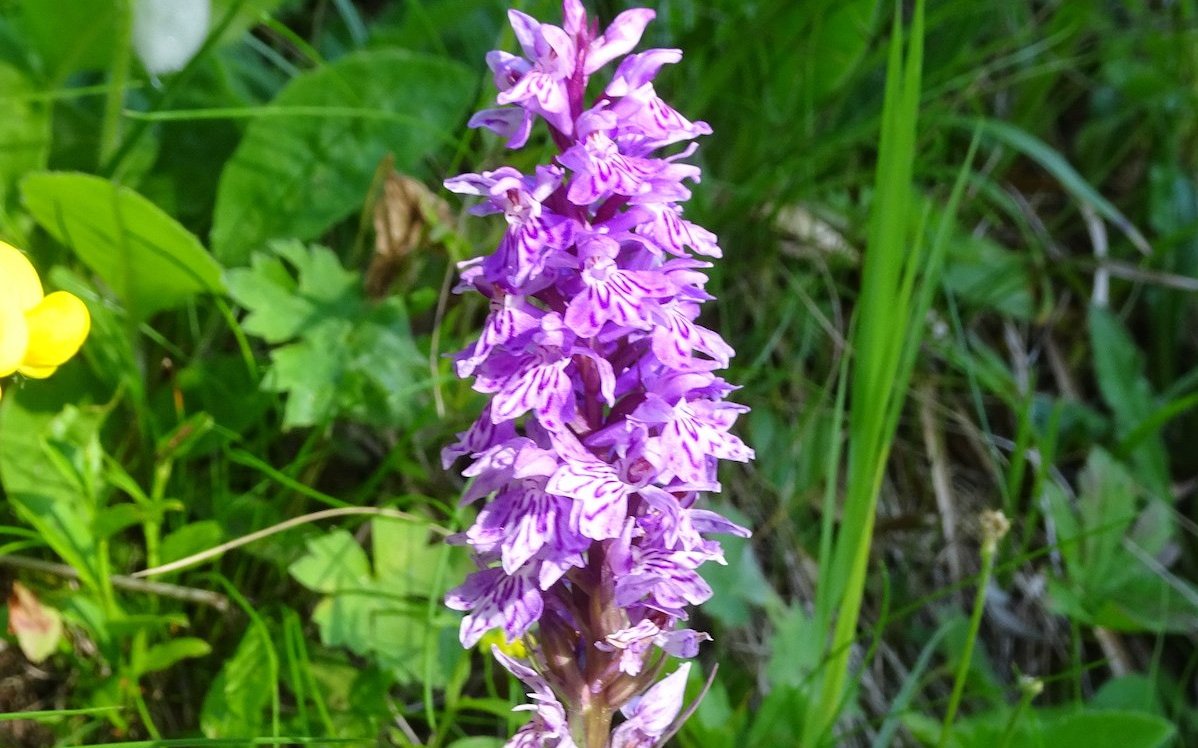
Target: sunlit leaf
(146, 257)
(294, 175)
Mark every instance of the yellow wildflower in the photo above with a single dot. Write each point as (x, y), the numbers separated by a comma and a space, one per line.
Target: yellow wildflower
(38, 333)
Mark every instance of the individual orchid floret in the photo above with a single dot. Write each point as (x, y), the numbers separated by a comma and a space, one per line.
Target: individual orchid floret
(650, 716)
(634, 642)
(619, 39)
(533, 231)
(600, 169)
(548, 727)
(539, 82)
(496, 599)
(606, 423)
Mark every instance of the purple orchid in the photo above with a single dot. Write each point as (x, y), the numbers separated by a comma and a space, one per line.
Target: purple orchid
(606, 423)
(649, 717)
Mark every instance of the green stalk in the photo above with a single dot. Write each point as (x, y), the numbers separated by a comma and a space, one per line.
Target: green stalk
(994, 527)
(133, 679)
(596, 720)
(104, 579)
(1029, 689)
(118, 78)
(152, 526)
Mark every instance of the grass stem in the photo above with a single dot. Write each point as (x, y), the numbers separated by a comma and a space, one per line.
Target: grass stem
(994, 526)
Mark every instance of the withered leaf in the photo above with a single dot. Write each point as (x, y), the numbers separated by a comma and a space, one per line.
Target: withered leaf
(38, 628)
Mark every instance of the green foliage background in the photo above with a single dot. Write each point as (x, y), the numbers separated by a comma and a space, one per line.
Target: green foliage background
(961, 262)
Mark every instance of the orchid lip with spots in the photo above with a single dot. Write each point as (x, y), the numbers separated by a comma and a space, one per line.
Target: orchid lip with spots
(606, 421)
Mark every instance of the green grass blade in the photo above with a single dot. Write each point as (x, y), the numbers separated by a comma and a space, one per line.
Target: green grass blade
(1054, 163)
(57, 713)
(888, 283)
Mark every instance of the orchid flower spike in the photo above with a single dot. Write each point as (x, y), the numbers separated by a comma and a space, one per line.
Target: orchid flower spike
(606, 422)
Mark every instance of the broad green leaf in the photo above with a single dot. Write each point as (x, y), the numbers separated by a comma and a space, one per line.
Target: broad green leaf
(478, 743)
(294, 175)
(357, 695)
(716, 724)
(362, 620)
(1132, 692)
(840, 40)
(1107, 729)
(283, 307)
(162, 656)
(1108, 544)
(48, 492)
(24, 129)
(1147, 600)
(310, 372)
(343, 354)
(792, 654)
(71, 35)
(146, 257)
(1119, 368)
(112, 520)
(403, 556)
(382, 614)
(1108, 506)
(773, 723)
(190, 539)
(386, 368)
(237, 698)
(334, 562)
(1051, 728)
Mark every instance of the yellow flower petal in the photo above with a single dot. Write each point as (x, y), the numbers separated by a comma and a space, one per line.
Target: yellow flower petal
(18, 279)
(57, 327)
(37, 372)
(14, 336)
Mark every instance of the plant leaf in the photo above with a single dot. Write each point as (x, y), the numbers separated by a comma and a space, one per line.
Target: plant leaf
(38, 628)
(334, 561)
(162, 656)
(296, 175)
(146, 257)
(45, 492)
(235, 703)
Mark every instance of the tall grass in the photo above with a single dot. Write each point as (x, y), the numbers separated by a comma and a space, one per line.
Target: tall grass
(896, 257)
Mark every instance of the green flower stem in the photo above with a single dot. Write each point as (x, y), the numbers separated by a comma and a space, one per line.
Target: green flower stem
(152, 526)
(1029, 688)
(597, 726)
(994, 526)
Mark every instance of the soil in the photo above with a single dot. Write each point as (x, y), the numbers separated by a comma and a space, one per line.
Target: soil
(21, 689)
